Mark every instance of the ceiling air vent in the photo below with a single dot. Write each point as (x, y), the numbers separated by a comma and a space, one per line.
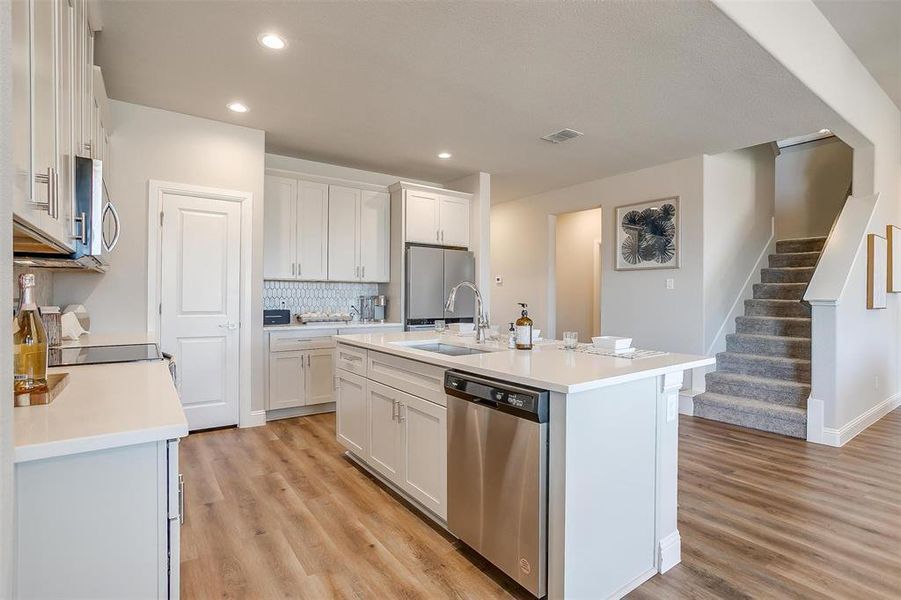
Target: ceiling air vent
(562, 136)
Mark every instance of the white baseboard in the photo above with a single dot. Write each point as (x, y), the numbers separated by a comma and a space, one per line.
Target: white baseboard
(847, 432)
(669, 552)
(299, 411)
(632, 585)
(687, 402)
(257, 418)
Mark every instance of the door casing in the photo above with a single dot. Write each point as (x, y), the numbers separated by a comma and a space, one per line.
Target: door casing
(156, 190)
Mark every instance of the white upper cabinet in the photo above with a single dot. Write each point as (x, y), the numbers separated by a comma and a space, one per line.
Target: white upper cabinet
(343, 233)
(279, 225)
(312, 230)
(319, 232)
(375, 236)
(453, 221)
(433, 217)
(52, 56)
(422, 218)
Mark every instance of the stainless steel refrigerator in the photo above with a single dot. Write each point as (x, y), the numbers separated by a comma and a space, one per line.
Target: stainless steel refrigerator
(431, 273)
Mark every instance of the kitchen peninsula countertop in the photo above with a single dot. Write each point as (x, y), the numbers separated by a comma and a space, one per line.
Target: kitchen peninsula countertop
(102, 406)
(546, 366)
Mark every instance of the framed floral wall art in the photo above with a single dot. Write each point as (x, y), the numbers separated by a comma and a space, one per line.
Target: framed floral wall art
(648, 235)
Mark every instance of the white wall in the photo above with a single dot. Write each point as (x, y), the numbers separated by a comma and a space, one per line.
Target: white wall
(812, 183)
(738, 213)
(479, 185)
(864, 344)
(578, 285)
(7, 524)
(634, 303)
(148, 143)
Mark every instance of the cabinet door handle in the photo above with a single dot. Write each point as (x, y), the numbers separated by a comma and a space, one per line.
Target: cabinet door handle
(437, 235)
(401, 412)
(363, 272)
(181, 498)
(46, 179)
(82, 234)
(293, 267)
(298, 269)
(442, 235)
(309, 360)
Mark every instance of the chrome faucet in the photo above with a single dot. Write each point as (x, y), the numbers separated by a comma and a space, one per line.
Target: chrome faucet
(482, 318)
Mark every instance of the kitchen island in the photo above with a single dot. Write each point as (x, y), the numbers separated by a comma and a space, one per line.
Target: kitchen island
(611, 444)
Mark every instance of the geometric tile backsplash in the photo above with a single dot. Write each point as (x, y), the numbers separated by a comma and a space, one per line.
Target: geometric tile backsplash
(315, 296)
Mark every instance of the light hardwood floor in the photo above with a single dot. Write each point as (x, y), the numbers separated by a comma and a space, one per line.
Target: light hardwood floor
(277, 512)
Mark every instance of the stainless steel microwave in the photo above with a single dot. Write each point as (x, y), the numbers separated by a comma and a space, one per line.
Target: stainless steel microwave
(96, 225)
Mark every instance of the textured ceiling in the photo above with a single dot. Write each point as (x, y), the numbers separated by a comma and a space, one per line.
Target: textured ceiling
(385, 86)
(872, 29)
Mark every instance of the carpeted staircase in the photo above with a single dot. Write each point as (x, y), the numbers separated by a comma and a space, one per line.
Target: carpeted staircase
(762, 381)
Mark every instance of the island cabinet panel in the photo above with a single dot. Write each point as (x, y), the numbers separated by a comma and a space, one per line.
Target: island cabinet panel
(101, 524)
(424, 446)
(350, 406)
(406, 429)
(385, 445)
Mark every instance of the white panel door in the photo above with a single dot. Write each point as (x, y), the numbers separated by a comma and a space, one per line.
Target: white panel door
(286, 379)
(200, 287)
(424, 465)
(279, 234)
(383, 407)
(375, 233)
(422, 217)
(320, 374)
(453, 215)
(350, 409)
(312, 230)
(343, 233)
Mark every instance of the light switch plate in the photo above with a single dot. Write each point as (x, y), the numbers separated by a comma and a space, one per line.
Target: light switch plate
(670, 283)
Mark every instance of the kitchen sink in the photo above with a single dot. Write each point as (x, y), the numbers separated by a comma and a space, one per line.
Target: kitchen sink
(447, 349)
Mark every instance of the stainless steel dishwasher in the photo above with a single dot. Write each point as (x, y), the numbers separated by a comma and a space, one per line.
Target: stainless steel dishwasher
(497, 456)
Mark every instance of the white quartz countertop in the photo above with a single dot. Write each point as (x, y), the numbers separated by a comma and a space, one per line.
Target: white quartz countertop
(101, 407)
(333, 325)
(546, 366)
(110, 339)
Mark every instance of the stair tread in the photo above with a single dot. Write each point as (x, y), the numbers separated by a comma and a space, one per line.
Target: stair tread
(750, 405)
(755, 380)
(789, 268)
(786, 300)
(765, 358)
(802, 254)
(774, 318)
(764, 337)
(804, 239)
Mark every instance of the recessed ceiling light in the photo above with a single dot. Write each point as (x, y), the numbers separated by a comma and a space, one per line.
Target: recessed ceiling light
(272, 41)
(444, 155)
(237, 107)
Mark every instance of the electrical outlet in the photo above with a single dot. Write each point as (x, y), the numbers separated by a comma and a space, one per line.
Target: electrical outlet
(498, 281)
(670, 283)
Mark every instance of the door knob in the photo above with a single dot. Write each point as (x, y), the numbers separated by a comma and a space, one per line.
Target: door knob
(229, 326)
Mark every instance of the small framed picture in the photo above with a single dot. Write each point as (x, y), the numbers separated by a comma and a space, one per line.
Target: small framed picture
(648, 235)
(876, 271)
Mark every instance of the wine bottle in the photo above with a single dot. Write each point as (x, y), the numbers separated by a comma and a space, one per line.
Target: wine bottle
(29, 346)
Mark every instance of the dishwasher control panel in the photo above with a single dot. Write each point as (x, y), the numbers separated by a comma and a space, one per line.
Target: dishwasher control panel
(526, 402)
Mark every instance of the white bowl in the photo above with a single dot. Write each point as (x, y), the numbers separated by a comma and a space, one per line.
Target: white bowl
(464, 327)
(611, 342)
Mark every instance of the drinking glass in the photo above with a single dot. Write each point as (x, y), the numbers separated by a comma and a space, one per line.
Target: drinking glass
(440, 325)
(570, 340)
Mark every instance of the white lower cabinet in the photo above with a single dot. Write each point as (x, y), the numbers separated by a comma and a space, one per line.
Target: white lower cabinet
(102, 524)
(350, 408)
(301, 370)
(400, 436)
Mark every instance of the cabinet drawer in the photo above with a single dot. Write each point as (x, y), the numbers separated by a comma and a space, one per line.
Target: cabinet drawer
(282, 341)
(351, 359)
(410, 376)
